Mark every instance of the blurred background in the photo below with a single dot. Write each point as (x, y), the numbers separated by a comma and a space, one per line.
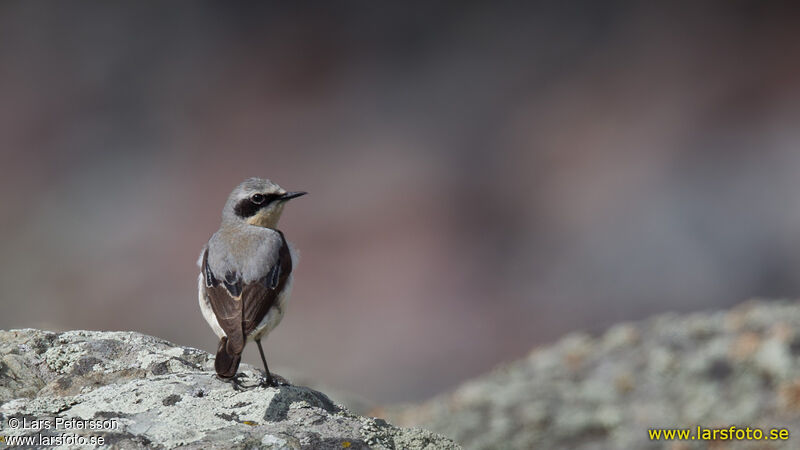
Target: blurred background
(484, 178)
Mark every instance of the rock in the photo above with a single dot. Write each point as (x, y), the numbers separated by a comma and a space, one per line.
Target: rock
(137, 391)
(740, 367)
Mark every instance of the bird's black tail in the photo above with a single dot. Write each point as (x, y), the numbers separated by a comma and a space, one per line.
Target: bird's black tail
(227, 362)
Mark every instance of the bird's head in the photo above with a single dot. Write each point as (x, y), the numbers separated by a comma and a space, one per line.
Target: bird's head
(258, 202)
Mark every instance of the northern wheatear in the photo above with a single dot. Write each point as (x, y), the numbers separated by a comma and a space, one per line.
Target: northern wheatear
(246, 272)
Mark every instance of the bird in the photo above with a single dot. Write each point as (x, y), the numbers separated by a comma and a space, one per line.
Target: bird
(246, 273)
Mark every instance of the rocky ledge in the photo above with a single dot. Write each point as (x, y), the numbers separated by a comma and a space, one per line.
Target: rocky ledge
(137, 391)
(739, 367)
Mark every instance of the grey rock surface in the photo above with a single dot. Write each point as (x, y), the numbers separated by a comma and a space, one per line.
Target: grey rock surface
(142, 392)
(739, 367)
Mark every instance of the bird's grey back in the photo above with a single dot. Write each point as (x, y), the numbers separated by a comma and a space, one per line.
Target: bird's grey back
(246, 250)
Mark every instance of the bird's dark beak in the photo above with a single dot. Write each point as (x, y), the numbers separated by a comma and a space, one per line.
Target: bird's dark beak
(291, 195)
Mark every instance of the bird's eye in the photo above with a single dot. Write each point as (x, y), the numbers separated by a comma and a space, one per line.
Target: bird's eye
(257, 198)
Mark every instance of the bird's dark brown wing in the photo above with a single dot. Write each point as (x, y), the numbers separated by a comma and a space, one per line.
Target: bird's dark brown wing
(259, 297)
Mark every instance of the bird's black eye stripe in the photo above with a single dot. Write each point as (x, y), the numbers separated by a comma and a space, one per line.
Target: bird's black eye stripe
(248, 207)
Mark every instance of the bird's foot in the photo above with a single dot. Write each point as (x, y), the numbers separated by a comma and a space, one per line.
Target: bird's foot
(236, 382)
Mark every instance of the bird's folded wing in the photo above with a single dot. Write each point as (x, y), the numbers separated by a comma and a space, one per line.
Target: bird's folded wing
(226, 307)
(260, 296)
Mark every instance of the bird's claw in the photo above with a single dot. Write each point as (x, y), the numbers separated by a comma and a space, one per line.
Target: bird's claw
(235, 381)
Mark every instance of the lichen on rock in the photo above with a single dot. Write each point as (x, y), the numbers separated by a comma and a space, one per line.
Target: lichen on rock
(165, 396)
(739, 367)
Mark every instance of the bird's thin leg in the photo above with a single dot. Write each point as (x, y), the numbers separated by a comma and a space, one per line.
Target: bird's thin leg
(269, 380)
